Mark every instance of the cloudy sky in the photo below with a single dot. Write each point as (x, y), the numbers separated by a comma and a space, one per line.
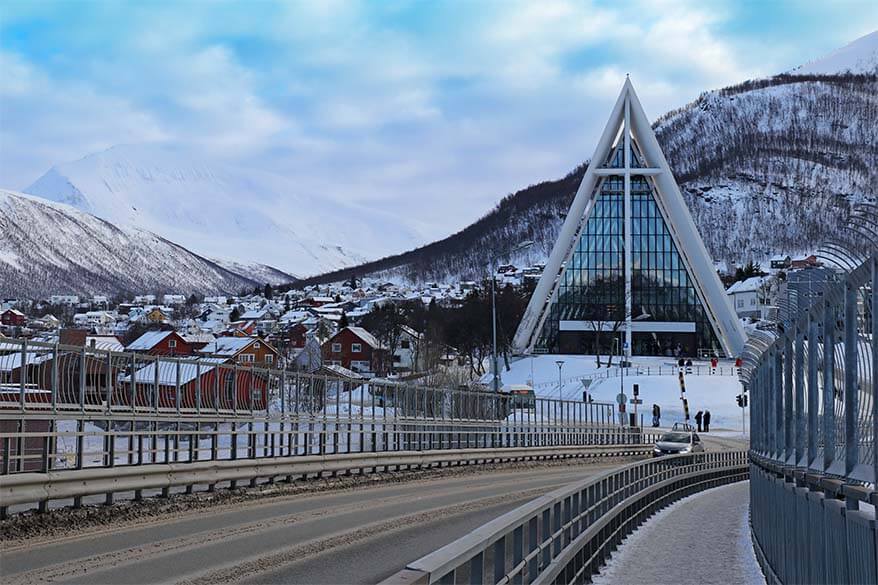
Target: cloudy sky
(434, 110)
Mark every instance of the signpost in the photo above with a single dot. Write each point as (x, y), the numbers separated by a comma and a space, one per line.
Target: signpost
(621, 399)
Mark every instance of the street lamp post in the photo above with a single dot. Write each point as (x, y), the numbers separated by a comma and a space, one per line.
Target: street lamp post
(560, 365)
(494, 365)
(622, 364)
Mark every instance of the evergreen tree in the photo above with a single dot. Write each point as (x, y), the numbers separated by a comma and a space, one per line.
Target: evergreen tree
(343, 322)
(235, 314)
(268, 292)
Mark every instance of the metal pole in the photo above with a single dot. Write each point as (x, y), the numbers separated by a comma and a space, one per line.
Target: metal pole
(851, 391)
(800, 395)
(787, 395)
(828, 385)
(494, 329)
(874, 354)
(813, 388)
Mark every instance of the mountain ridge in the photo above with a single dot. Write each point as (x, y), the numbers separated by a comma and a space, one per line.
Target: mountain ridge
(220, 210)
(52, 248)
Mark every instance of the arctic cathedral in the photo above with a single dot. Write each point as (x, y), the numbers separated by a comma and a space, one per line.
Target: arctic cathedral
(629, 266)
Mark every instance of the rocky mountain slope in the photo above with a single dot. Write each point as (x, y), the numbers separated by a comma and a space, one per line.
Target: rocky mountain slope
(241, 215)
(50, 248)
(771, 165)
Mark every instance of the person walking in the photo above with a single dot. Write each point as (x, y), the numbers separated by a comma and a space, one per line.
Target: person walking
(656, 415)
(698, 417)
(706, 421)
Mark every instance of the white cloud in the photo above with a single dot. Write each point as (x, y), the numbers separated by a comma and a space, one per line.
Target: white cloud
(354, 100)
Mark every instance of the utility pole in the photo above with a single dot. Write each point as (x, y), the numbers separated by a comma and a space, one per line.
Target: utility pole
(494, 328)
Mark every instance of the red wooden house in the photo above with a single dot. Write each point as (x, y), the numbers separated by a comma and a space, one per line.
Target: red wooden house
(356, 349)
(161, 343)
(13, 318)
(220, 384)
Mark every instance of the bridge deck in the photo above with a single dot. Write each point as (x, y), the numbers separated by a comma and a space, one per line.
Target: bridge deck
(702, 539)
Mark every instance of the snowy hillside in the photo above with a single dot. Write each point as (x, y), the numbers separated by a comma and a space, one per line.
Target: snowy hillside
(767, 166)
(255, 271)
(50, 248)
(244, 215)
(860, 56)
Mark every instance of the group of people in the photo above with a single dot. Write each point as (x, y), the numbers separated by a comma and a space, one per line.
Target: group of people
(703, 417)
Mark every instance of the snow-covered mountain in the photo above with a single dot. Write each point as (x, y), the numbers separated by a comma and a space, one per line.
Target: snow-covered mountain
(242, 215)
(50, 248)
(770, 165)
(860, 56)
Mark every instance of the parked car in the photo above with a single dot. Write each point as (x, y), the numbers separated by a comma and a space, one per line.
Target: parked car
(677, 443)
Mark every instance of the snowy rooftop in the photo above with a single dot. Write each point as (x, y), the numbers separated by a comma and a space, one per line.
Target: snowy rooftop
(370, 339)
(750, 285)
(167, 371)
(229, 346)
(148, 340)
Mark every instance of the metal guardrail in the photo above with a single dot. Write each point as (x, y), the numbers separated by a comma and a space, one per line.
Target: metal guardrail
(807, 528)
(814, 419)
(40, 377)
(28, 488)
(566, 535)
(616, 372)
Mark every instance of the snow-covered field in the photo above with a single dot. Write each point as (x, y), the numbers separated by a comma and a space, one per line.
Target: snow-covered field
(712, 392)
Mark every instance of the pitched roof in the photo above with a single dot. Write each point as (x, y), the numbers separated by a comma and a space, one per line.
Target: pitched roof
(167, 371)
(370, 339)
(148, 340)
(751, 284)
(231, 346)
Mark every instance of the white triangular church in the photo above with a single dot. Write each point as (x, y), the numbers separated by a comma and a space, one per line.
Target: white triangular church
(629, 266)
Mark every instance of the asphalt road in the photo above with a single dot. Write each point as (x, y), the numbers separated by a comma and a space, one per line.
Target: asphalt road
(358, 535)
(355, 535)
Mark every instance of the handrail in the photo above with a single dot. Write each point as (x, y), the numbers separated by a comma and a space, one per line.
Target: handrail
(27, 488)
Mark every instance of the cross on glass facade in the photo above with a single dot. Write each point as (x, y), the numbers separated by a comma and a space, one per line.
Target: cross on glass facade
(592, 287)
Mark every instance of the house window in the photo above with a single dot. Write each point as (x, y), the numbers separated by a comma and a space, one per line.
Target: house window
(256, 345)
(356, 347)
(336, 348)
(360, 365)
(404, 344)
(247, 358)
(269, 359)
(752, 302)
(740, 303)
(172, 343)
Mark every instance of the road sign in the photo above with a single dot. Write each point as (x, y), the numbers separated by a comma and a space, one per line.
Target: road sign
(624, 345)
(586, 382)
(621, 398)
(636, 401)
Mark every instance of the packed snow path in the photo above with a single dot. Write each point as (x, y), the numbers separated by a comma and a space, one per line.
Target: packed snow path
(702, 539)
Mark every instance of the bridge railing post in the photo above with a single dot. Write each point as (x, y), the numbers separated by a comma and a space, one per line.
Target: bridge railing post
(851, 382)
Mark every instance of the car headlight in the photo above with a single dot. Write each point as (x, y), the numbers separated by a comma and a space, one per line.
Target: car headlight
(686, 450)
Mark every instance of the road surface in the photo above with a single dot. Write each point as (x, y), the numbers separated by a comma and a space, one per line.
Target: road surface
(355, 535)
(358, 535)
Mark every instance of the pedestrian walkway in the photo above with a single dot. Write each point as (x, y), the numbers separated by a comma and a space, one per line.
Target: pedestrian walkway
(702, 539)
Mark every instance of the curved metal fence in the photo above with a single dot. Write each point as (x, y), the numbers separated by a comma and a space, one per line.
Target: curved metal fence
(565, 536)
(813, 407)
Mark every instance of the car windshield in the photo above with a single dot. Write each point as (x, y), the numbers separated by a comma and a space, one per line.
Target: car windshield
(675, 438)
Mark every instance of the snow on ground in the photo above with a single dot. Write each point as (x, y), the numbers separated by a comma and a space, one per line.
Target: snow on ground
(715, 393)
(702, 539)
